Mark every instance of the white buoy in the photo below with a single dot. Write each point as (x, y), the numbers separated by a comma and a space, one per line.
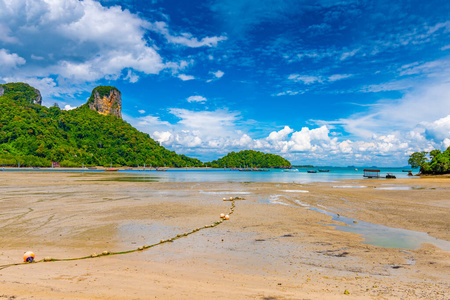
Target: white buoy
(222, 216)
(227, 217)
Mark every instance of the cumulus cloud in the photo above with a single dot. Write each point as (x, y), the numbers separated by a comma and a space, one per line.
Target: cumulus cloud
(68, 107)
(10, 60)
(83, 41)
(439, 130)
(197, 98)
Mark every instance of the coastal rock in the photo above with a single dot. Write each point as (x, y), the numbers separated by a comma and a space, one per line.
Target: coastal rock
(106, 100)
(1, 91)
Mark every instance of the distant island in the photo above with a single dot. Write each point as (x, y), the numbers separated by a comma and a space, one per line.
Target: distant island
(93, 134)
(435, 162)
(251, 159)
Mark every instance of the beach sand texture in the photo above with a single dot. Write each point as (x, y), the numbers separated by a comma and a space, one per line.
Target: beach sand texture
(273, 247)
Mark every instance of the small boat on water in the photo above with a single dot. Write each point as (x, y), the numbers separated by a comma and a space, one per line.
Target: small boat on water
(312, 171)
(290, 170)
(111, 170)
(92, 168)
(390, 176)
(160, 170)
(324, 170)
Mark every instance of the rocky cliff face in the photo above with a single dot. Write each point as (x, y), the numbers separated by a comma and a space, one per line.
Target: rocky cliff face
(38, 99)
(106, 100)
(1, 91)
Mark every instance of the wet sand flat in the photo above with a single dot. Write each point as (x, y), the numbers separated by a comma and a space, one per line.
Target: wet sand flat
(275, 246)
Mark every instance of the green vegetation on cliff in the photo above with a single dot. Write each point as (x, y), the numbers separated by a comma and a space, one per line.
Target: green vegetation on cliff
(34, 135)
(435, 162)
(251, 158)
(19, 92)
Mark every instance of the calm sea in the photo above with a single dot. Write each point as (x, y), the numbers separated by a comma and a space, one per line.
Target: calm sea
(281, 176)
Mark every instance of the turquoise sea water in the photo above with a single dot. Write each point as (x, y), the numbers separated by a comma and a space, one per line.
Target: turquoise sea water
(279, 176)
(227, 175)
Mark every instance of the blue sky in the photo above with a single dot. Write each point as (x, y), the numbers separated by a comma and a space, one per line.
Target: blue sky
(318, 82)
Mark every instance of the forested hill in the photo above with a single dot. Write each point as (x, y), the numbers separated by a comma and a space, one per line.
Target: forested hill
(251, 159)
(34, 135)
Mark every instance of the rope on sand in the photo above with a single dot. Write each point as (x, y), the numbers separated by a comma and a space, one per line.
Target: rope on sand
(141, 248)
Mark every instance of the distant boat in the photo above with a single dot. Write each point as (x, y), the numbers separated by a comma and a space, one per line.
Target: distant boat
(290, 170)
(160, 170)
(111, 169)
(324, 170)
(312, 171)
(92, 168)
(390, 175)
(406, 170)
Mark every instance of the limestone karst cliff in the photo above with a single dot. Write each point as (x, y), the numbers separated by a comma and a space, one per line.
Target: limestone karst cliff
(106, 100)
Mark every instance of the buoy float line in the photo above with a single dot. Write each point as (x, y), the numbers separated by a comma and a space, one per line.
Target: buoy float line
(141, 248)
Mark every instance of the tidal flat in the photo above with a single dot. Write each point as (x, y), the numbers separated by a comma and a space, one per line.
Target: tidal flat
(282, 241)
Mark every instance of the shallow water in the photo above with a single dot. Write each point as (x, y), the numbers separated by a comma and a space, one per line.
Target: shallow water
(392, 188)
(350, 186)
(373, 234)
(384, 236)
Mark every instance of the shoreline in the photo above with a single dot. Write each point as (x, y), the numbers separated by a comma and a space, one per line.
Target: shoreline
(272, 245)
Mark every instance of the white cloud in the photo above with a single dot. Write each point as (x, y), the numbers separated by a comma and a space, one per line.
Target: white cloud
(68, 107)
(348, 54)
(218, 74)
(151, 121)
(186, 77)
(141, 111)
(337, 77)
(131, 77)
(310, 79)
(162, 137)
(197, 98)
(10, 60)
(306, 79)
(81, 41)
(438, 130)
(280, 135)
(186, 39)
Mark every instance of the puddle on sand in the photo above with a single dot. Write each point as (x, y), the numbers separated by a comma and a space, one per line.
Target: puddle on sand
(225, 193)
(350, 186)
(385, 236)
(393, 188)
(133, 179)
(374, 234)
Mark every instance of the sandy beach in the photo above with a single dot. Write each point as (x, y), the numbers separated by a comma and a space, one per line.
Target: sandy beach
(278, 243)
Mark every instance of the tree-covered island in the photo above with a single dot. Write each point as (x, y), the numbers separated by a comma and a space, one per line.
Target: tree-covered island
(251, 159)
